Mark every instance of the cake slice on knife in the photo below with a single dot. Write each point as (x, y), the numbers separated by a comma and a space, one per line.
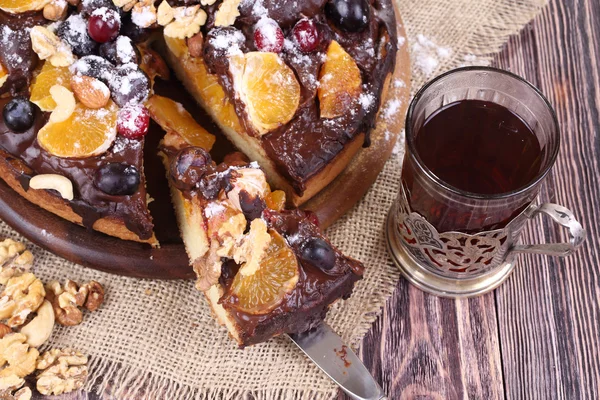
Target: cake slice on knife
(264, 270)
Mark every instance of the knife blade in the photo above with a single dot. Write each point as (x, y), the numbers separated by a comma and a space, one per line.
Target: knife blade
(326, 349)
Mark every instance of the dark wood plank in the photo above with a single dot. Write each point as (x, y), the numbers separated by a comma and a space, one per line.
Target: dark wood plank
(548, 310)
(427, 347)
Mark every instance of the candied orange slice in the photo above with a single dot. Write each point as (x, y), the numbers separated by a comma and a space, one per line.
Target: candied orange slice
(86, 133)
(276, 200)
(266, 288)
(171, 116)
(153, 64)
(339, 82)
(48, 77)
(18, 6)
(3, 75)
(268, 88)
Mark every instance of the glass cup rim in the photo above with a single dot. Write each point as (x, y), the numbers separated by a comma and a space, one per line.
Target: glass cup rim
(413, 151)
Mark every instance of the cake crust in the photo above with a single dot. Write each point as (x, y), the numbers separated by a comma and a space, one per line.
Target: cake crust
(14, 172)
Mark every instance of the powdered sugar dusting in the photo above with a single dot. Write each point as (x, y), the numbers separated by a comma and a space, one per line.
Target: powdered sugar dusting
(428, 55)
(366, 100)
(213, 208)
(122, 143)
(125, 50)
(391, 108)
(106, 16)
(228, 41)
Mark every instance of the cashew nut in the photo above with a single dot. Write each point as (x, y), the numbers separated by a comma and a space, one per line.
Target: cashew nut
(53, 181)
(65, 103)
(40, 327)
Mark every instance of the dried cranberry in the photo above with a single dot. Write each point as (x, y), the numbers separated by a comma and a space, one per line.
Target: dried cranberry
(104, 25)
(312, 217)
(307, 35)
(268, 36)
(133, 121)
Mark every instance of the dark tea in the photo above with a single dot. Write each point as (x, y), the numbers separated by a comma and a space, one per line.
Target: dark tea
(478, 147)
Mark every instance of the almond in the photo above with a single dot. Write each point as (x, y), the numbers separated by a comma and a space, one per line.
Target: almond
(91, 92)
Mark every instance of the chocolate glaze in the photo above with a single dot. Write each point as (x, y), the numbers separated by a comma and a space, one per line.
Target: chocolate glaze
(16, 54)
(89, 202)
(306, 305)
(304, 146)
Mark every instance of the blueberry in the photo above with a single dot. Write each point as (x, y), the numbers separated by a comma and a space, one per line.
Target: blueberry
(74, 31)
(189, 166)
(348, 15)
(120, 51)
(19, 114)
(96, 67)
(319, 253)
(129, 86)
(117, 179)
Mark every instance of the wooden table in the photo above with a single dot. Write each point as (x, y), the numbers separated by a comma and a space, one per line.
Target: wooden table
(538, 335)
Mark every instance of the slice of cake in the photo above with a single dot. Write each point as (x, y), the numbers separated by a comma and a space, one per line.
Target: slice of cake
(296, 85)
(264, 270)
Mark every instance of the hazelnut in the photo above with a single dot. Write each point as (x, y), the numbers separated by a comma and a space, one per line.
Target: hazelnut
(195, 44)
(56, 10)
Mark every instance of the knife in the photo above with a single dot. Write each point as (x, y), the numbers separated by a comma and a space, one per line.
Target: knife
(326, 349)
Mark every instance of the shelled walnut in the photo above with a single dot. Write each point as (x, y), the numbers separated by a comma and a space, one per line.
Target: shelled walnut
(16, 356)
(63, 371)
(22, 295)
(15, 259)
(66, 300)
(11, 388)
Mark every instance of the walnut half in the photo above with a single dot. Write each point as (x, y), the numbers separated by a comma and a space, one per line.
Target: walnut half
(15, 352)
(63, 371)
(14, 259)
(66, 301)
(22, 295)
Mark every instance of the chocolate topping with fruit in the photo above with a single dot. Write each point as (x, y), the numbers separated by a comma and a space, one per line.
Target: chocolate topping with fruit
(364, 28)
(324, 273)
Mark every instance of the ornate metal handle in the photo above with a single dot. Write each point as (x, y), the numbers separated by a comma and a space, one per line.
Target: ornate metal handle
(562, 216)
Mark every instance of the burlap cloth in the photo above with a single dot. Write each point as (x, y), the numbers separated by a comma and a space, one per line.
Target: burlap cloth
(157, 339)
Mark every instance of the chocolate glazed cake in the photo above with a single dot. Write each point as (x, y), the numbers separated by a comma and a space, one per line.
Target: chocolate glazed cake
(264, 270)
(302, 122)
(74, 163)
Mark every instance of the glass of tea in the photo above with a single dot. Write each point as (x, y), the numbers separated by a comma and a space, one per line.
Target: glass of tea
(479, 143)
